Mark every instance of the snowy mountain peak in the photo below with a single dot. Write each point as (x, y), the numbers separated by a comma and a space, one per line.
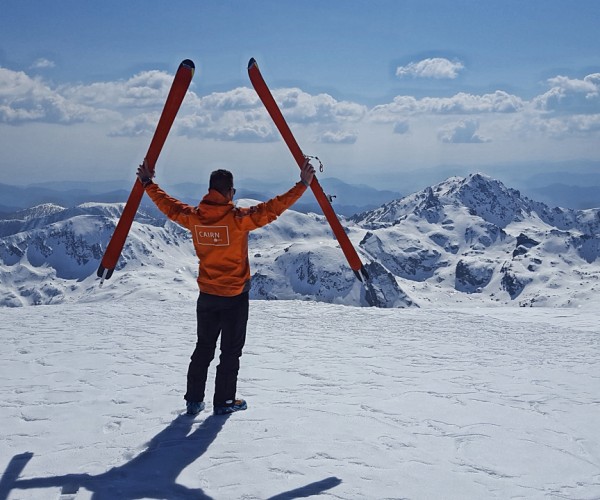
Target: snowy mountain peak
(481, 195)
(488, 198)
(38, 211)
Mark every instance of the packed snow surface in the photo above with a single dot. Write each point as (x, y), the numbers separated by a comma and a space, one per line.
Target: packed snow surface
(343, 402)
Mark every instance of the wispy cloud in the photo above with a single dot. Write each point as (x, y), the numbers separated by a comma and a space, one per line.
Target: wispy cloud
(339, 137)
(566, 126)
(435, 67)
(43, 63)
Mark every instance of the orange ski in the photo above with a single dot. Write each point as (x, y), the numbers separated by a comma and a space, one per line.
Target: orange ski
(179, 87)
(267, 99)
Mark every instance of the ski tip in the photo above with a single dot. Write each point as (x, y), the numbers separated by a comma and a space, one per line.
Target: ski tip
(188, 63)
(252, 62)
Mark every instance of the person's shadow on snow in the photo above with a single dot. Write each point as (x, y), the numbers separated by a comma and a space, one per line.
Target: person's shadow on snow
(151, 474)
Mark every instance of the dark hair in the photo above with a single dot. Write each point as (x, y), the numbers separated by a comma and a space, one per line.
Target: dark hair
(221, 180)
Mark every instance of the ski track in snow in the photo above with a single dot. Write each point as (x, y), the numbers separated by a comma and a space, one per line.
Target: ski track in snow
(343, 402)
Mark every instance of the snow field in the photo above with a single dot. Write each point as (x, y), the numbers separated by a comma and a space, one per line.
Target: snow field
(344, 402)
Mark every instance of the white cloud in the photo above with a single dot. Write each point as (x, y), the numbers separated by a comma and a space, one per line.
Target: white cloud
(239, 115)
(340, 137)
(564, 127)
(435, 67)
(568, 95)
(589, 85)
(146, 89)
(43, 63)
(130, 107)
(301, 107)
(25, 99)
(233, 125)
(584, 123)
(237, 99)
(295, 104)
(138, 125)
(236, 115)
(463, 132)
(461, 103)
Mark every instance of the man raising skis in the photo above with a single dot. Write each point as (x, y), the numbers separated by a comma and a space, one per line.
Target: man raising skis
(220, 235)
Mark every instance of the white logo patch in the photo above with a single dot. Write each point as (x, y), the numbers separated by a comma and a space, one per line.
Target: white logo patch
(216, 236)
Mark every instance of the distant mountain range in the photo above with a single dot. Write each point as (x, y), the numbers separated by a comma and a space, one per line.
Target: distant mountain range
(348, 199)
(574, 186)
(468, 240)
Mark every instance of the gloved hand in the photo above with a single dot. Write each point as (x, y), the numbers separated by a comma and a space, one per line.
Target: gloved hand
(144, 174)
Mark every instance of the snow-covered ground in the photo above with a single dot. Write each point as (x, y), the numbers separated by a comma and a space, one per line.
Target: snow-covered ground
(344, 402)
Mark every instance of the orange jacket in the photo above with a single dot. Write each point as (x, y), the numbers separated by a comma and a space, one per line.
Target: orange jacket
(220, 234)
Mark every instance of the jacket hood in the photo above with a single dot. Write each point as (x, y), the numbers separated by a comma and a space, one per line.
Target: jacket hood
(214, 206)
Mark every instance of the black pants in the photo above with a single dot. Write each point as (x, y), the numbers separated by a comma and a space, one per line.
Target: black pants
(227, 317)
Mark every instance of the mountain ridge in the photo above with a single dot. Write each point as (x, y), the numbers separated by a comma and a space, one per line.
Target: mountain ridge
(466, 240)
(348, 198)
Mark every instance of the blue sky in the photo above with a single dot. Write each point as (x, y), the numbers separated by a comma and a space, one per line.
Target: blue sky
(376, 89)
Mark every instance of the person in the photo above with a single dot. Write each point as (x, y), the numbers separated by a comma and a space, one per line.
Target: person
(220, 236)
